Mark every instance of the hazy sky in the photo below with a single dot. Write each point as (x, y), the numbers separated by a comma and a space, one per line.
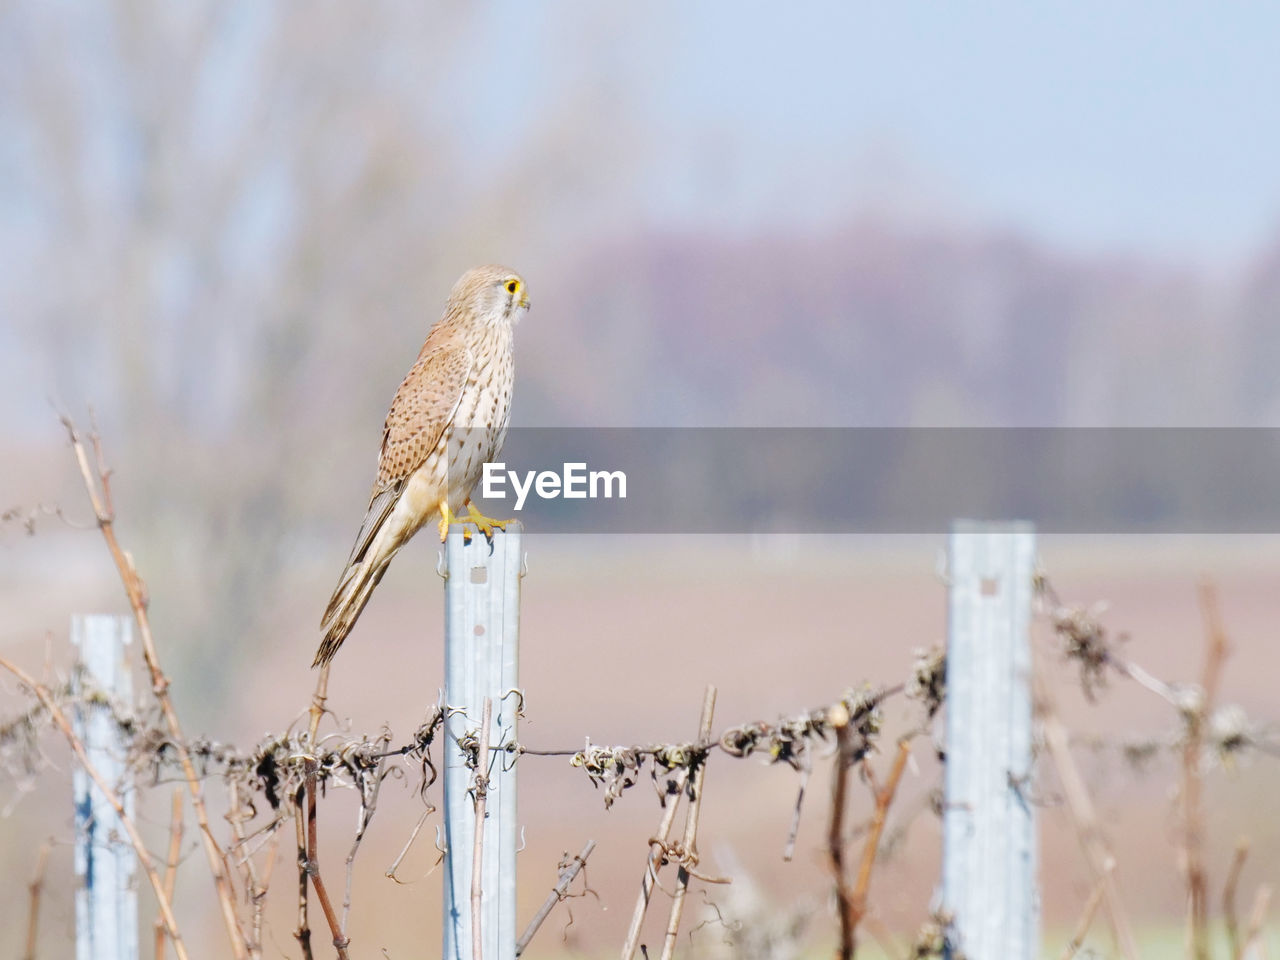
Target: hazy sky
(1100, 126)
(1097, 125)
(1137, 128)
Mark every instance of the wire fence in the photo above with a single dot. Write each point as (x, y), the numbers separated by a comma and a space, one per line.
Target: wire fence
(1003, 739)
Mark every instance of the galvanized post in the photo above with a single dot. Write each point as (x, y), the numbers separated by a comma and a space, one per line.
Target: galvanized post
(482, 619)
(989, 824)
(106, 865)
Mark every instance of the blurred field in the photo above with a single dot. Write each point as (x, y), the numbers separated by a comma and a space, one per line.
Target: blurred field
(618, 639)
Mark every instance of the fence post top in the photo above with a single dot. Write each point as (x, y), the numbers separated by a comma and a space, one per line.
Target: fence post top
(968, 525)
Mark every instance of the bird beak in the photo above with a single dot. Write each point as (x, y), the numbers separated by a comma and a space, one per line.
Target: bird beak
(524, 303)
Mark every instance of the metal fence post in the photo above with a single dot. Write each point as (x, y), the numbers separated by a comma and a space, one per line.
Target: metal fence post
(106, 865)
(482, 619)
(989, 825)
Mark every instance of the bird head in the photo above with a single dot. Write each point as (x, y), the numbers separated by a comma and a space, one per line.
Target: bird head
(491, 294)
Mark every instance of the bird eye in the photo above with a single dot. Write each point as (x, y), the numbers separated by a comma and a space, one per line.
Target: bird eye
(513, 286)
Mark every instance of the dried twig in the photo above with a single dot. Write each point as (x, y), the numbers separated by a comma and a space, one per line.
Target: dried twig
(477, 849)
(135, 839)
(259, 903)
(883, 798)
(171, 864)
(557, 894)
(789, 850)
(1084, 818)
(689, 844)
(1086, 916)
(255, 891)
(369, 788)
(835, 832)
(340, 940)
(303, 933)
(1219, 648)
(1257, 917)
(654, 860)
(316, 713)
(1229, 896)
(1195, 714)
(390, 872)
(1145, 678)
(97, 484)
(27, 517)
(35, 888)
(788, 741)
(1086, 641)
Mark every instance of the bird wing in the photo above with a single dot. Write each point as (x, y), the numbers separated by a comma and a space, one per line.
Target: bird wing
(422, 410)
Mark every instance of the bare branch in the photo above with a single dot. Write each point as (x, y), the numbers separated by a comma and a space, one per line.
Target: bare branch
(655, 859)
(1229, 896)
(1196, 712)
(303, 933)
(1083, 817)
(477, 850)
(35, 888)
(835, 831)
(390, 872)
(171, 864)
(98, 488)
(789, 850)
(369, 788)
(144, 855)
(1261, 901)
(340, 941)
(788, 740)
(558, 893)
(254, 891)
(883, 798)
(689, 859)
(1086, 916)
(317, 702)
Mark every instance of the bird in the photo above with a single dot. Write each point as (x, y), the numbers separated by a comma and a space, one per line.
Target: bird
(447, 419)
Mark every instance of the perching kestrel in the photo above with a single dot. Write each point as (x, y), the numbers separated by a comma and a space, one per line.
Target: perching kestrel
(448, 419)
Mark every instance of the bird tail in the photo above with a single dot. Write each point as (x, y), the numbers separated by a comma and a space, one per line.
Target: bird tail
(375, 545)
(348, 600)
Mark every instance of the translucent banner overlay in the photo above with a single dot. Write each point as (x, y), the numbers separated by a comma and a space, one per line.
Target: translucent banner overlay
(801, 480)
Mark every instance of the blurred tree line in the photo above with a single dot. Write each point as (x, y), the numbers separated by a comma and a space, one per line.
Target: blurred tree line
(228, 227)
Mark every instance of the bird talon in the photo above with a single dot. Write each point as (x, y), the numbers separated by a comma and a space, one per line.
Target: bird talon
(446, 517)
(486, 524)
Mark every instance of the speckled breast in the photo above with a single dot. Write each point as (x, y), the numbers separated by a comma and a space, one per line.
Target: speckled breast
(480, 424)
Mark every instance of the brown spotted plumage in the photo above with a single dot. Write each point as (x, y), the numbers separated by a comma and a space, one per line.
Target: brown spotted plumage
(447, 419)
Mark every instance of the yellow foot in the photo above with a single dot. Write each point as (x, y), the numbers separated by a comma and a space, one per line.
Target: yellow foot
(446, 517)
(486, 524)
